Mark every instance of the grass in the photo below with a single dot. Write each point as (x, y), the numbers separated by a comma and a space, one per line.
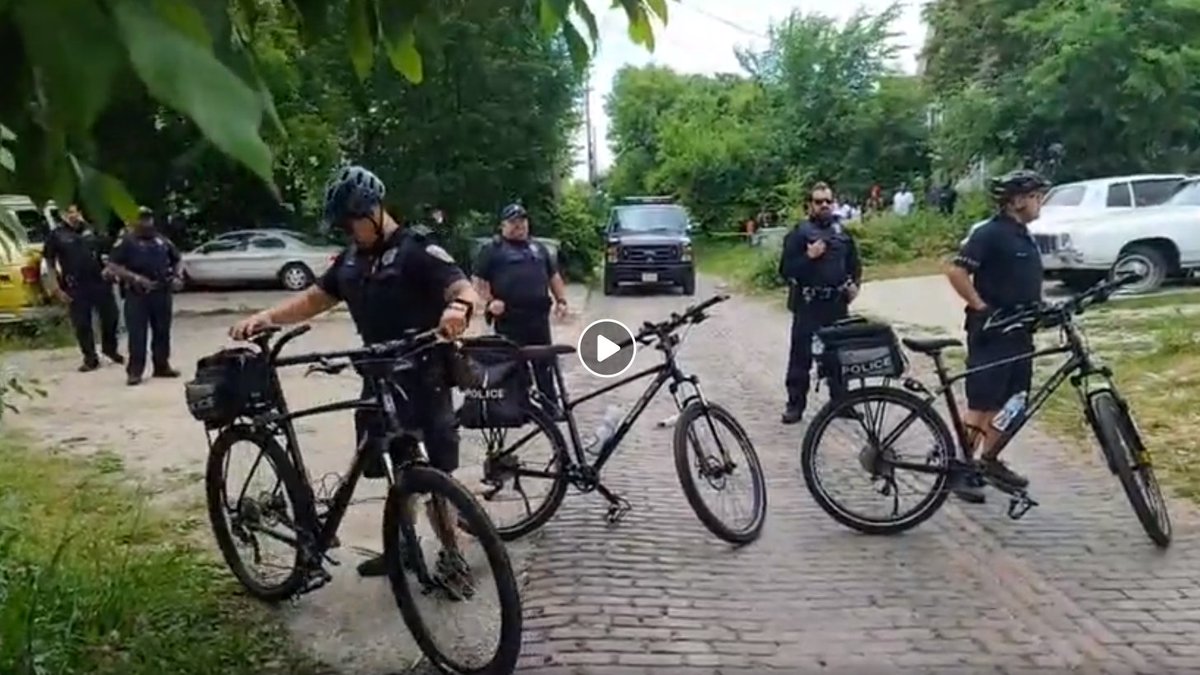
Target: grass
(91, 581)
(52, 333)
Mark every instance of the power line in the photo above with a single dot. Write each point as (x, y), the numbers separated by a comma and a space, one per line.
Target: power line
(727, 22)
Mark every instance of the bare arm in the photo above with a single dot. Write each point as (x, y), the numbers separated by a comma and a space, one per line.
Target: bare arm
(960, 281)
(300, 307)
(484, 290)
(462, 290)
(558, 288)
(125, 274)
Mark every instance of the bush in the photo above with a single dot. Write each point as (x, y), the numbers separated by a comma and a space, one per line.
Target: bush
(889, 239)
(576, 217)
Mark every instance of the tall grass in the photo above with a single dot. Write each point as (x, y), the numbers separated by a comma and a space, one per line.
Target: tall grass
(92, 581)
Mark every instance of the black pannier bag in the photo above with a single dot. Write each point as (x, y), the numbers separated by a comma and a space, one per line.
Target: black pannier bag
(497, 397)
(860, 350)
(229, 384)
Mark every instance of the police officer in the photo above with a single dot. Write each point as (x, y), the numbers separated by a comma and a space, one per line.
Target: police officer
(393, 280)
(147, 263)
(516, 277)
(75, 252)
(998, 268)
(821, 265)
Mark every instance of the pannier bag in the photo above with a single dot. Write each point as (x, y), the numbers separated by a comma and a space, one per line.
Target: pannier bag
(861, 350)
(498, 396)
(229, 384)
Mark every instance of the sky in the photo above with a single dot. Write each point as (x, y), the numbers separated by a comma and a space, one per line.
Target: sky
(700, 37)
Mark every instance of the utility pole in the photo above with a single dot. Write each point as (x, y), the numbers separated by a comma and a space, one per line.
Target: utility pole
(591, 137)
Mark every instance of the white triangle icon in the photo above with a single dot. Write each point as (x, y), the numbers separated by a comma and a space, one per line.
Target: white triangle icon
(605, 348)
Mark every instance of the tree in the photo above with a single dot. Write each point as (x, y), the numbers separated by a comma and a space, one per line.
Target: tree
(196, 59)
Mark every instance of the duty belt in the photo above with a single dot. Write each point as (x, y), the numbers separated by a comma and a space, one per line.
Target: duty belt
(814, 293)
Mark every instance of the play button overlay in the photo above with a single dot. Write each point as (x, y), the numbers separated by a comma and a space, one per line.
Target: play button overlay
(600, 349)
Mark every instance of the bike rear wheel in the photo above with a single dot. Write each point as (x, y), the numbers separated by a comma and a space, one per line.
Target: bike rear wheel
(716, 464)
(485, 657)
(866, 405)
(1129, 459)
(260, 517)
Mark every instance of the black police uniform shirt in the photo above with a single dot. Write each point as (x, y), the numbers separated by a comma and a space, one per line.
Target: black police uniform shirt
(518, 272)
(399, 288)
(1004, 262)
(152, 256)
(78, 254)
(839, 264)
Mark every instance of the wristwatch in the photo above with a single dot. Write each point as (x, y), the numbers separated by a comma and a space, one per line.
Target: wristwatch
(560, 301)
(468, 308)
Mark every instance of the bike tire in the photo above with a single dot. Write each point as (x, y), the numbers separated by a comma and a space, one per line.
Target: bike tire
(215, 485)
(428, 480)
(696, 411)
(1115, 431)
(558, 490)
(875, 394)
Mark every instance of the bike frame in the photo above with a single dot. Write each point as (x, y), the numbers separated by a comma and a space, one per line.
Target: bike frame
(283, 420)
(666, 373)
(1078, 367)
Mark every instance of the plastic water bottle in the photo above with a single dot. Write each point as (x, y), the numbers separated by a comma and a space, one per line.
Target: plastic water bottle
(818, 347)
(606, 430)
(1011, 410)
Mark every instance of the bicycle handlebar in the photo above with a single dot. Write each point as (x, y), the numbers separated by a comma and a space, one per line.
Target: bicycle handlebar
(397, 348)
(1052, 314)
(692, 315)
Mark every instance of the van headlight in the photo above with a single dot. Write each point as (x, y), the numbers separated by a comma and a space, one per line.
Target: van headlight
(685, 253)
(613, 252)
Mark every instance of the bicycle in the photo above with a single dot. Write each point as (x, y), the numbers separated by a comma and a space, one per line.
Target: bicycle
(716, 468)
(1106, 410)
(312, 532)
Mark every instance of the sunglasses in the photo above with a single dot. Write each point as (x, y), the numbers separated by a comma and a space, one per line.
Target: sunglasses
(822, 202)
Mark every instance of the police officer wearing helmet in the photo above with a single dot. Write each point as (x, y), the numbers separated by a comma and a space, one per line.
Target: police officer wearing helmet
(821, 266)
(147, 263)
(74, 251)
(998, 268)
(516, 277)
(393, 280)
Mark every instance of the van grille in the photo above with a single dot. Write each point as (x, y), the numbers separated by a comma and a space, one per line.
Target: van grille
(649, 254)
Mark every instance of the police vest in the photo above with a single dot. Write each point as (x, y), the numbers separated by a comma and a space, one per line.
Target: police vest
(521, 275)
(383, 297)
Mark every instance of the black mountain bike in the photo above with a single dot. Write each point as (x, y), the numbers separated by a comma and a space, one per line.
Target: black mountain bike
(312, 530)
(717, 466)
(1107, 413)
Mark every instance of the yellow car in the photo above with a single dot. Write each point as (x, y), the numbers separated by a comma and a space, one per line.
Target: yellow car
(24, 294)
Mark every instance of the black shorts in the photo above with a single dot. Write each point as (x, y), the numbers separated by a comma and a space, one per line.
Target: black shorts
(430, 409)
(990, 388)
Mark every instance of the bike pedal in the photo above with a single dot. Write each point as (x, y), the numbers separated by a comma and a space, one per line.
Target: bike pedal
(1020, 504)
(316, 580)
(617, 512)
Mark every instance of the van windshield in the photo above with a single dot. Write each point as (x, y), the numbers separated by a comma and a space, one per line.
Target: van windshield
(650, 218)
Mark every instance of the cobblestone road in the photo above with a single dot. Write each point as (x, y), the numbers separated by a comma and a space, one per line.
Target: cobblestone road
(1074, 587)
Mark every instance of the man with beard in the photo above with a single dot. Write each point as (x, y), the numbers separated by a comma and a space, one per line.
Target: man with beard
(821, 266)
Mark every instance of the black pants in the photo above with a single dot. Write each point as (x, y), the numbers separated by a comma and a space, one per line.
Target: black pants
(98, 298)
(990, 388)
(148, 312)
(530, 329)
(807, 319)
(426, 406)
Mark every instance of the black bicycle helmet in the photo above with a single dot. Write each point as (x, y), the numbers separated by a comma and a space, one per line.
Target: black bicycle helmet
(1016, 183)
(354, 192)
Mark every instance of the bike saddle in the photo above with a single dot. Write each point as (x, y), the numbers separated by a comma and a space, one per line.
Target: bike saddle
(541, 352)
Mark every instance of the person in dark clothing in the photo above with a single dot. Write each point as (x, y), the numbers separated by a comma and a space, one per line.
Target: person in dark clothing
(948, 199)
(821, 266)
(516, 277)
(75, 252)
(147, 264)
(997, 269)
(393, 280)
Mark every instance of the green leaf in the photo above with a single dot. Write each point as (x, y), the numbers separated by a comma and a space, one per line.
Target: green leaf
(77, 59)
(576, 45)
(589, 19)
(640, 30)
(188, 78)
(186, 19)
(398, 19)
(659, 7)
(362, 37)
(552, 13)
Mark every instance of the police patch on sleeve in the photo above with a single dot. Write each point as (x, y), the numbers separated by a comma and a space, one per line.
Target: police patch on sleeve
(389, 256)
(439, 253)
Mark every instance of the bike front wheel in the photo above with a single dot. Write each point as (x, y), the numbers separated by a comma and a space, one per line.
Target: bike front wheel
(1129, 459)
(718, 464)
(421, 589)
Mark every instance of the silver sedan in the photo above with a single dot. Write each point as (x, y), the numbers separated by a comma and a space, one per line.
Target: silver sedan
(290, 259)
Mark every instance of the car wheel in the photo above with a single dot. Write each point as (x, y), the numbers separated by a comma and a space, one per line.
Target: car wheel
(610, 287)
(295, 276)
(689, 284)
(1146, 261)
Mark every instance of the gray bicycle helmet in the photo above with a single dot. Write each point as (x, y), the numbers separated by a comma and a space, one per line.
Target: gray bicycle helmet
(354, 192)
(1017, 183)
